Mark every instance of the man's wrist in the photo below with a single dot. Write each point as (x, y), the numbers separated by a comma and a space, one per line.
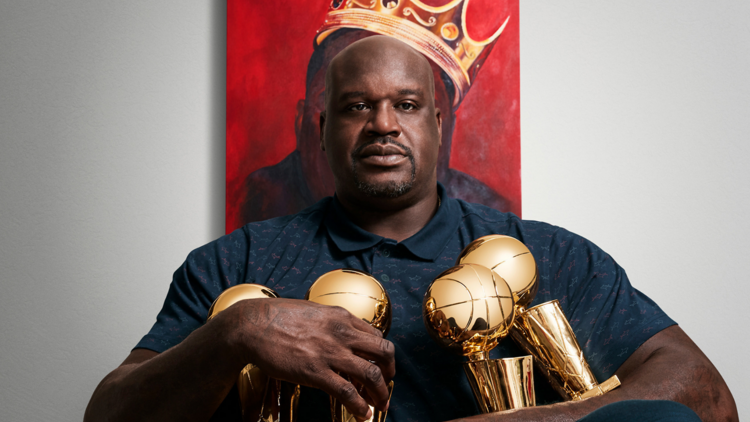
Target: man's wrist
(240, 330)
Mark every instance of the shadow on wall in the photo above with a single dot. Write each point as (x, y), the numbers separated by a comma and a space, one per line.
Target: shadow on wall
(218, 81)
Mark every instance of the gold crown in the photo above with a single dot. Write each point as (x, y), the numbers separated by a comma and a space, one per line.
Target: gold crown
(437, 32)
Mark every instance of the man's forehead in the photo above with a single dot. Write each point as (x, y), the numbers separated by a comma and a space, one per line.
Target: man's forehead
(379, 63)
(346, 85)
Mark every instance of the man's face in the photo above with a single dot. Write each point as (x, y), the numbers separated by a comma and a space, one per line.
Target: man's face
(381, 130)
(314, 162)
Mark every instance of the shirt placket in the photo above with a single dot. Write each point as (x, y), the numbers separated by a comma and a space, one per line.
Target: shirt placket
(383, 270)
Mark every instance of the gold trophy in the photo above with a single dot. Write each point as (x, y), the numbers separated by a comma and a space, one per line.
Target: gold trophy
(359, 293)
(263, 399)
(542, 331)
(468, 309)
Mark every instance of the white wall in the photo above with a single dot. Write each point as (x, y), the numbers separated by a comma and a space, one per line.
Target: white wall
(111, 168)
(111, 171)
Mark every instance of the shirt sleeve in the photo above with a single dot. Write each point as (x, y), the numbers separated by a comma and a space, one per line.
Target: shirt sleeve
(207, 271)
(609, 317)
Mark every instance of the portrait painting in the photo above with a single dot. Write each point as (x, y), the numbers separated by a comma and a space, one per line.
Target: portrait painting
(277, 55)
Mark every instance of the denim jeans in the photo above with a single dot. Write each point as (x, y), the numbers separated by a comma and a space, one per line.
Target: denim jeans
(642, 411)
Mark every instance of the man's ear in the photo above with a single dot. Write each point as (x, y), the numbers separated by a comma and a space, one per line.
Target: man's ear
(439, 119)
(322, 127)
(298, 117)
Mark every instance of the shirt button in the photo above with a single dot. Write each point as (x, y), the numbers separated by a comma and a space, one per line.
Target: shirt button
(386, 253)
(384, 277)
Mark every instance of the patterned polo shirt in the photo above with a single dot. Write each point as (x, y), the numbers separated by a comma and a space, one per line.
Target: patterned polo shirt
(610, 318)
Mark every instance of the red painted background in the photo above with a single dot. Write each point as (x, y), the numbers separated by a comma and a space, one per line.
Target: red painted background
(268, 48)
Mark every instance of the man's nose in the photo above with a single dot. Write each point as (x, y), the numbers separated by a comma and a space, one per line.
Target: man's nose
(383, 122)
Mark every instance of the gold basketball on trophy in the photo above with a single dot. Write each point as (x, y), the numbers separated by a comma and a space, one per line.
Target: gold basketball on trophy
(509, 258)
(468, 309)
(357, 292)
(237, 293)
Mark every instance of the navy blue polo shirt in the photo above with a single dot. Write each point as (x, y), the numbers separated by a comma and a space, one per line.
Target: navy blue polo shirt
(610, 317)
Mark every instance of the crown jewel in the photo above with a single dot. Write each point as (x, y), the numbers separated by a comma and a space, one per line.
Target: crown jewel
(437, 32)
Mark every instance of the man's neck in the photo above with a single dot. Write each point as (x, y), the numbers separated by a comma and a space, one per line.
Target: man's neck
(398, 221)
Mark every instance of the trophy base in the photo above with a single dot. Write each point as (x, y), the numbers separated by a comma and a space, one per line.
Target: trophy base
(600, 389)
(502, 384)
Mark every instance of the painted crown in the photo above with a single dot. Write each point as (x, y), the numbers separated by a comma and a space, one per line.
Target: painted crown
(437, 32)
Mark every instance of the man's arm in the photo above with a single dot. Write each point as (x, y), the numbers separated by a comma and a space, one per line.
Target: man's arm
(668, 366)
(189, 381)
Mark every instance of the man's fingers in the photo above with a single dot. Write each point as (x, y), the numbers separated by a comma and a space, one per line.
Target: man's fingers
(346, 393)
(366, 327)
(368, 375)
(365, 341)
(379, 350)
(367, 344)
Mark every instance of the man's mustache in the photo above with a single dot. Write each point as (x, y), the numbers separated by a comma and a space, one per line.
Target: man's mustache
(382, 140)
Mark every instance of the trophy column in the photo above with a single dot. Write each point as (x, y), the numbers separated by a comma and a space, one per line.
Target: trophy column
(502, 384)
(544, 332)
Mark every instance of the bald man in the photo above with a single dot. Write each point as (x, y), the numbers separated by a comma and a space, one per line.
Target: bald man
(390, 217)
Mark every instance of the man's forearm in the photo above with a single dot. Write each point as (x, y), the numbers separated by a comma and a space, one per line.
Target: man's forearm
(667, 367)
(189, 381)
(186, 382)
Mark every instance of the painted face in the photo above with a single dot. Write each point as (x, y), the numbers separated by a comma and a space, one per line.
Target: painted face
(314, 162)
(381, 130)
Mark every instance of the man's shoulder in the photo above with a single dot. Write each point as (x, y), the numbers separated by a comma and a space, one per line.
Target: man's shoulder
(309, 218)
(472, 212)
(479, 218)
(258, 236)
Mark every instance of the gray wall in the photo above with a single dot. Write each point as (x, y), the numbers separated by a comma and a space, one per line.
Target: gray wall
(634, 115)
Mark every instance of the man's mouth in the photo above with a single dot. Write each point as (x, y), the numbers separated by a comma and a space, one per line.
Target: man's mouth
(384, 160)
(384, 155)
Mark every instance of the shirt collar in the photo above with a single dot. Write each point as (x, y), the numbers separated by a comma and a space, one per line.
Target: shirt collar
(426, 244)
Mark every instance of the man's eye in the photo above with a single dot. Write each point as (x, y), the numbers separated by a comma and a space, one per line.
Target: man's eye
(407, 106)
(358, 107)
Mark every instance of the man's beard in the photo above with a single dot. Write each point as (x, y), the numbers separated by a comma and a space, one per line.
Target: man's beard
(392, 188)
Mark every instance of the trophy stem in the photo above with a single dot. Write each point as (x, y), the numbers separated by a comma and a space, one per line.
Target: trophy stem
(266, 399)
(544, 332)
(477, 356)
(502, 384)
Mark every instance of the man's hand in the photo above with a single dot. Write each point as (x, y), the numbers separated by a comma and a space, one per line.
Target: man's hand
(293, 340)
(310, 344)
